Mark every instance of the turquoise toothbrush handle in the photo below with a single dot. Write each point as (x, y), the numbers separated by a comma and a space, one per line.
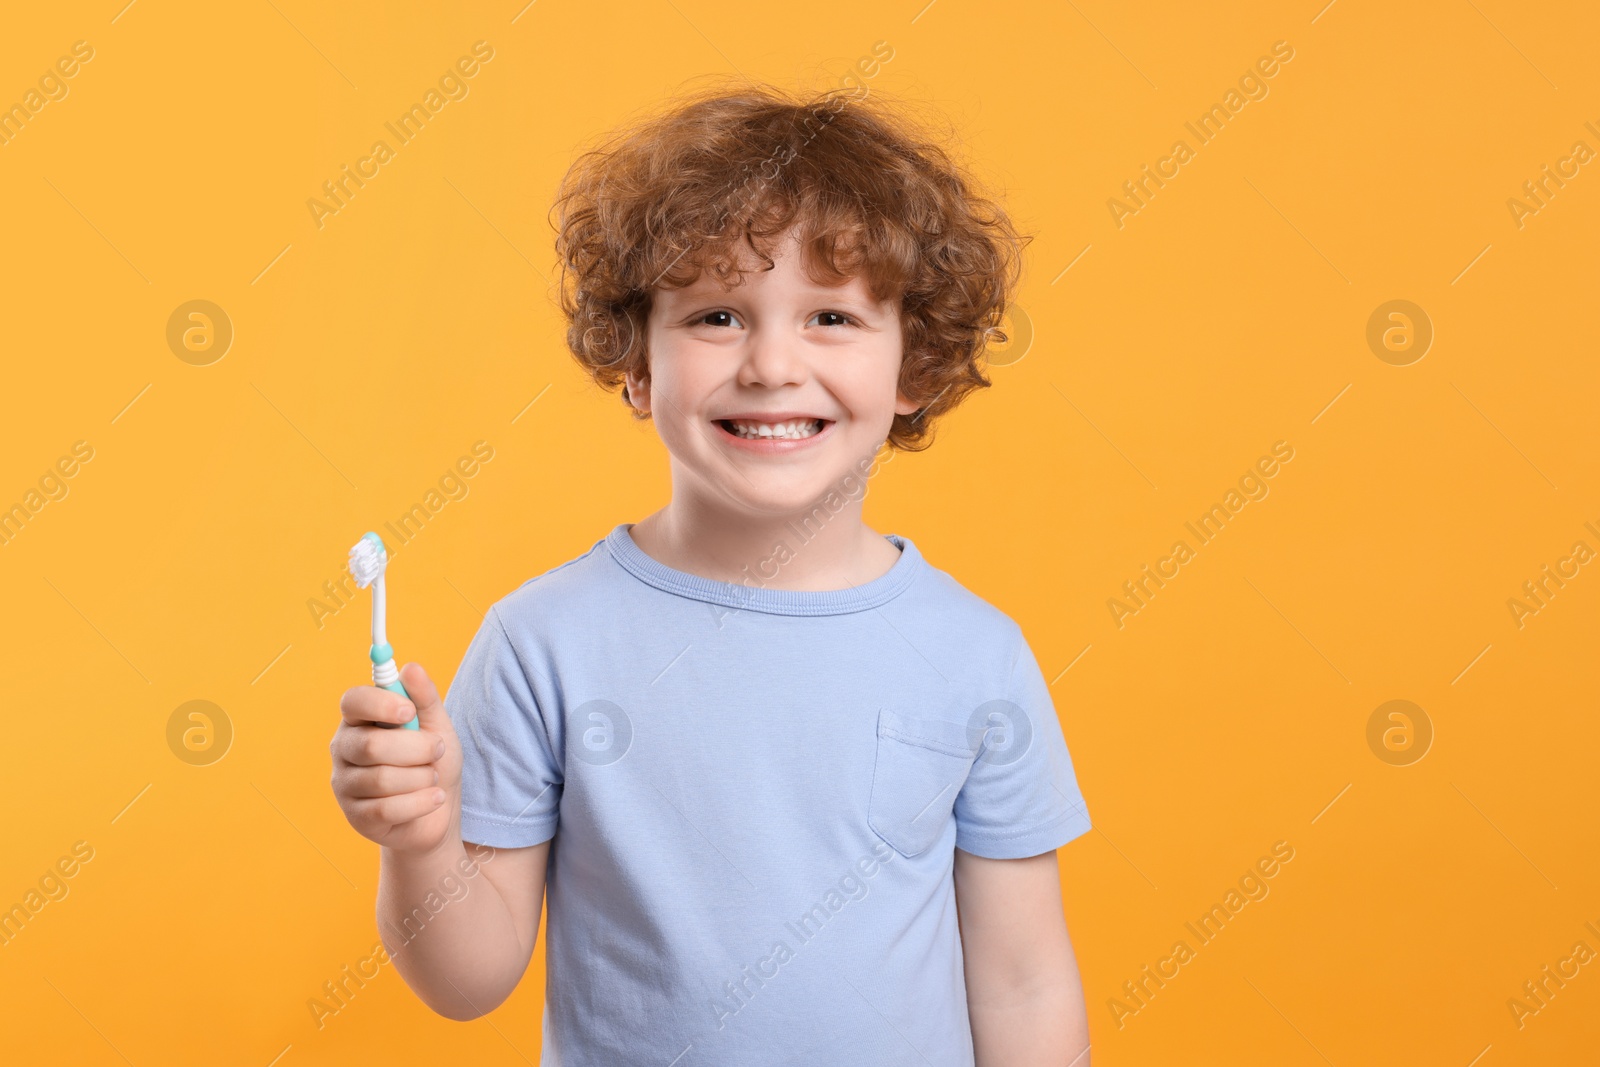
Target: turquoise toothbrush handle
(382, 657)
(396, 687)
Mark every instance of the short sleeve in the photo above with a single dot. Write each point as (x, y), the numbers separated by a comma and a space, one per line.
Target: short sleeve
(1021, 797)
(510, 776)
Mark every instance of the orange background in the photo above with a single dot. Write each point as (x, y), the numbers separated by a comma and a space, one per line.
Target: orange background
(1230, 312)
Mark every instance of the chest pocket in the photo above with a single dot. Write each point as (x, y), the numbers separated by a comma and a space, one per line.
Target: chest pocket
(921, 766)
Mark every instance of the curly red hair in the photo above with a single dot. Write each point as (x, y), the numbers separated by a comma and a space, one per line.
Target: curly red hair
(870, 195)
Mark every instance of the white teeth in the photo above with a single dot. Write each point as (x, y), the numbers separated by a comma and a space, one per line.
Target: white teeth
(794, 430)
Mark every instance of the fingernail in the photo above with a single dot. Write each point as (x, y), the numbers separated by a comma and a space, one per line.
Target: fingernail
(438, 797)
(435, 777)
(438, 749)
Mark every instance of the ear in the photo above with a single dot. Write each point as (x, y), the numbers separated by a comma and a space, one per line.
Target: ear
(638, 393)
(903, 405)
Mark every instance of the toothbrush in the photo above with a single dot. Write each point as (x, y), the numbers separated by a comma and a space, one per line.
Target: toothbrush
(368, 558)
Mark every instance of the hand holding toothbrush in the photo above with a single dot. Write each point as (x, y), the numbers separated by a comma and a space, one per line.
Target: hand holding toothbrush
(401, 790)
(398, 788)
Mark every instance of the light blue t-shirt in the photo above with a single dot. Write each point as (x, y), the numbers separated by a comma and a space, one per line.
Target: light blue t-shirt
(755, 796)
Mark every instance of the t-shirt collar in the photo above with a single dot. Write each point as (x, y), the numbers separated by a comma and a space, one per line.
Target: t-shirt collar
(752, 593)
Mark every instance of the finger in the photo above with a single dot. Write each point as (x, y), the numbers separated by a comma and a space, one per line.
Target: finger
(392, 811)
(430, 708)
(385, 780)
(367, 703)
(370, 746)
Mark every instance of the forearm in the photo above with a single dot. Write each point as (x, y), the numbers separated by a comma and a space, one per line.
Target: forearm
(447, 929)
(1042, 1025)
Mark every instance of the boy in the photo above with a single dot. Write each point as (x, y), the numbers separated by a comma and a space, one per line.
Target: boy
(794, 793)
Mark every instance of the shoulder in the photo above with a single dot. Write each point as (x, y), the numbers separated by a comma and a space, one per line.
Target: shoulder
(982, 629)
(558, 591)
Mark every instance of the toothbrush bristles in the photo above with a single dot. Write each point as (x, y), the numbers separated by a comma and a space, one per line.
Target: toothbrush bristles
(366, 562)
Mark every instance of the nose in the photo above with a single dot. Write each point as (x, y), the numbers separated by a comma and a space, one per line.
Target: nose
(772, 359)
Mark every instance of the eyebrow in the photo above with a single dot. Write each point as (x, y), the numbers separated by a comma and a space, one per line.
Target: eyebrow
(716, 294)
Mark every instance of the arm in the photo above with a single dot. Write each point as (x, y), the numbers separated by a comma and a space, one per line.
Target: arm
(460, 927)
(465, 960)
(1024, 994)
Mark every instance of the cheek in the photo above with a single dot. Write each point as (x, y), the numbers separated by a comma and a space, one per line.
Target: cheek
(676, 381)
(680, 384)
(870, 382)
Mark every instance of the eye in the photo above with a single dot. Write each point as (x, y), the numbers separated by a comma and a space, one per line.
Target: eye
(847, 320)
(720, 315)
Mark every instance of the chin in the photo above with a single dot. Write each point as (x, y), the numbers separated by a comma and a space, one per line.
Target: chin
(779, 501)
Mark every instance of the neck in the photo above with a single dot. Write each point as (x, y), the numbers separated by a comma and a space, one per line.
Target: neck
(815, 548)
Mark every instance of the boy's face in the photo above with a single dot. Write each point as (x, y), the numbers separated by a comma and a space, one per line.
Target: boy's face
(780, 349)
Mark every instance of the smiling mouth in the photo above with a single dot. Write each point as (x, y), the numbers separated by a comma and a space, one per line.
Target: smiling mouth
(790, 430)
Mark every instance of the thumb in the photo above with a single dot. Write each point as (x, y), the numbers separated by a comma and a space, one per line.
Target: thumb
(431, 714)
